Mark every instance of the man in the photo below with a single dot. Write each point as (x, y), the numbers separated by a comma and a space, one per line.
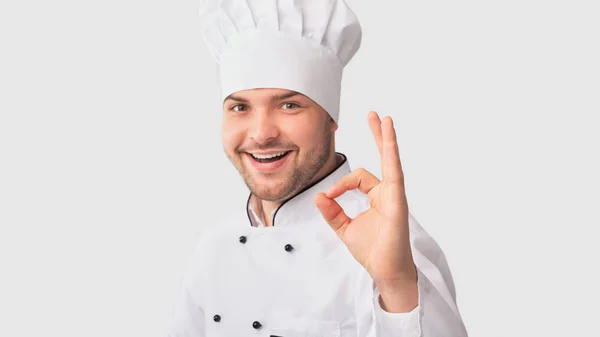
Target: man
(318, 249)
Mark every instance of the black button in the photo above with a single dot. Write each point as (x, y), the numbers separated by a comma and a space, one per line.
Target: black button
(289, 248)
(242, 239)
(256, 325)
(217, 318)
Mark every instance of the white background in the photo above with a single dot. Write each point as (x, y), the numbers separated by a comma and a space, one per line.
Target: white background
(111, 163)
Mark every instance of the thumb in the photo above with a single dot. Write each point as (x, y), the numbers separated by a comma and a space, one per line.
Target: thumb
(332, 212)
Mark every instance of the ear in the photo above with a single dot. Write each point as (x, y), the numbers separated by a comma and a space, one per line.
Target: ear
(333, 124)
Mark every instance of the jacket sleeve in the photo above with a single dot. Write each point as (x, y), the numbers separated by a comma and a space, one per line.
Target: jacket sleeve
(187, 317)
(436, 314)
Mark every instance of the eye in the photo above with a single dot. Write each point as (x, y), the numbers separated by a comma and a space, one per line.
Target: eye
(290, 105)
(239, 107)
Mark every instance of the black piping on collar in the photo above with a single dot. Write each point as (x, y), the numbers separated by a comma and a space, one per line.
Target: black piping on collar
(300, 192)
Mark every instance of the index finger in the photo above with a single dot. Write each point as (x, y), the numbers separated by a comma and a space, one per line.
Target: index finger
(359, 178)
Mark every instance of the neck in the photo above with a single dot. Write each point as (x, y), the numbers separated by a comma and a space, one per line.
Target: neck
(265, 208)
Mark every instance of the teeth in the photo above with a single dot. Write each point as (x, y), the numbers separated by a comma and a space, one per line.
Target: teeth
(268, 156)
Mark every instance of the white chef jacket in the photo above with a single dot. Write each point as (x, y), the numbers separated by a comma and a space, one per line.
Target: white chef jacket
(297, 278)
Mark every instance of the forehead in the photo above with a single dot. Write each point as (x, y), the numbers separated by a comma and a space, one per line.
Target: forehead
(263, 94)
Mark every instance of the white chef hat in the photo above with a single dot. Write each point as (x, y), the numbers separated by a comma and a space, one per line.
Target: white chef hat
(299, 45)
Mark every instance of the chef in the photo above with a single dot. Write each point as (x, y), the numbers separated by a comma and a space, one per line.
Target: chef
(317, 249)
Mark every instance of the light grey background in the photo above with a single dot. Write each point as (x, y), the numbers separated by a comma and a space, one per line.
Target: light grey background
(111, 163)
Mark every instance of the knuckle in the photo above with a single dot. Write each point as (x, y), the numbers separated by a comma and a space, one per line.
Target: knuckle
(361, 171)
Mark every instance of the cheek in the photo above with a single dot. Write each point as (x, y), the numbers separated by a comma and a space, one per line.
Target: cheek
(306, 133)
(231, 137)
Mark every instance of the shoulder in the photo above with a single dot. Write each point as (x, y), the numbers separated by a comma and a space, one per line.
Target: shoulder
(230, 223)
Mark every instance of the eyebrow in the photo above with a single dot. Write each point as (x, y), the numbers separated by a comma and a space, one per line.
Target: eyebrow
(284, 96)
(235, 98)
(274, 98)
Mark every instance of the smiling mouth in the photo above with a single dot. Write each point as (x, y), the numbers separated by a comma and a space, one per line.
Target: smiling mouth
(269, 158)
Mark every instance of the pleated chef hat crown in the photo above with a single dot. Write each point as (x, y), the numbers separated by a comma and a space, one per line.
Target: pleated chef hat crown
(299, 45)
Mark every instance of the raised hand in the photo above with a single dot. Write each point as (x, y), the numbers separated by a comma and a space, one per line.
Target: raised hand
(378, 238)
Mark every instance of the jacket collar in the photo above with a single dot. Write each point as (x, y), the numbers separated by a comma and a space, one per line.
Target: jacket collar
(301, 207)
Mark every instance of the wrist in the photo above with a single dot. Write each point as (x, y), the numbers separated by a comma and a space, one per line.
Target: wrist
(399, 297)
(403, 280)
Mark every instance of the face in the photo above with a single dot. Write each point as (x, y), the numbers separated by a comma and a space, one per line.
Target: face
(278, 140)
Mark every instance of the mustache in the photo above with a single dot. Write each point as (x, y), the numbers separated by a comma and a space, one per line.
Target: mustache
(268, 145)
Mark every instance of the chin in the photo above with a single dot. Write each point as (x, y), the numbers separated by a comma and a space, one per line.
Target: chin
(269, 190)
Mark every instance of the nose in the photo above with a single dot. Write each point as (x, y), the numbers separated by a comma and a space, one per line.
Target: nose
(263, 127)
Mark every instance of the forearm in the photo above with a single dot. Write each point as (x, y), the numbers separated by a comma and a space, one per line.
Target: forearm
(401, 294)
(403, 299)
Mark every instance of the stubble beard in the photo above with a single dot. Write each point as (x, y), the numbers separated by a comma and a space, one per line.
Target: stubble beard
(314, 160)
